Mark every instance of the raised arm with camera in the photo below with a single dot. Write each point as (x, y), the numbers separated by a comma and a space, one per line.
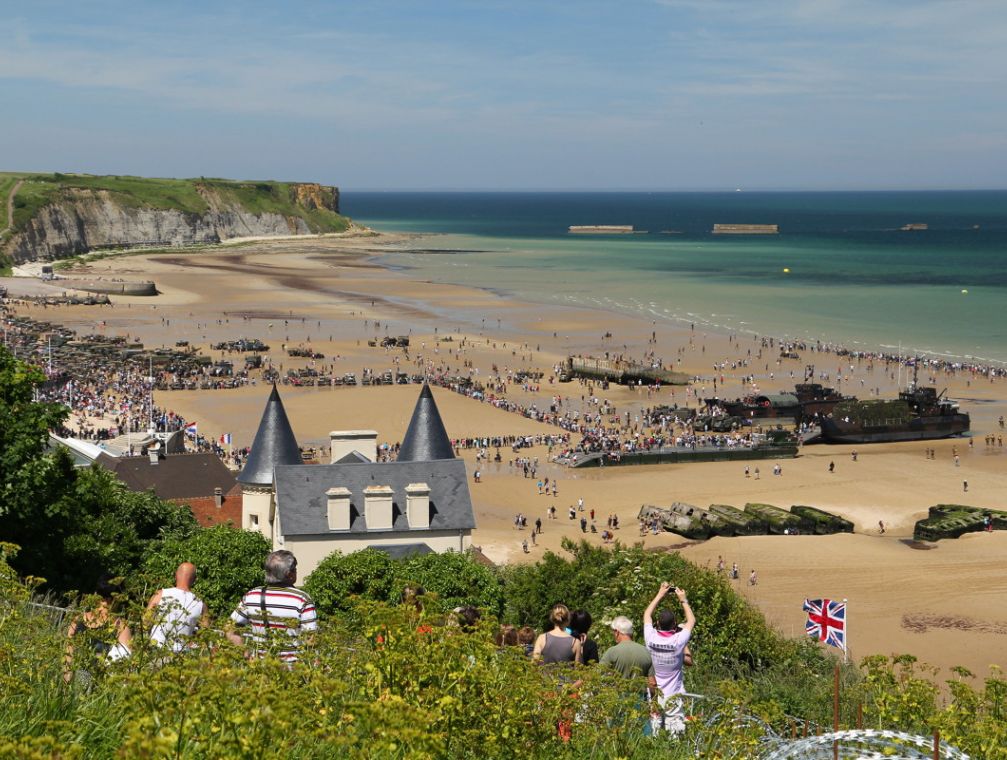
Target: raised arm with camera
(690, 618)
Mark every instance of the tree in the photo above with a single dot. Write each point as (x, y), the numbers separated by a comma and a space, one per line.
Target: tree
(34, 511)
(72, 525)
(228, 562)
(115, 527)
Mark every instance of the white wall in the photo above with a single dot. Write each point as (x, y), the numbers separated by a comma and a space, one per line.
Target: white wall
(311, 550)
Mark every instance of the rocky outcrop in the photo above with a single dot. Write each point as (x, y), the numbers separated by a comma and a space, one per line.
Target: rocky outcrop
(311, 195)
(84, 220)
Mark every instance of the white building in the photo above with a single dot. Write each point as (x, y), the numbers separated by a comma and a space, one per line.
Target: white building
(418, 503)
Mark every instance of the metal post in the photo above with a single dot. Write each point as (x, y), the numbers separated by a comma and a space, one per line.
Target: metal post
(835, 712)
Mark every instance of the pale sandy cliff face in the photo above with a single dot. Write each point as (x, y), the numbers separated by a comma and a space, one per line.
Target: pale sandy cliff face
(85, 220)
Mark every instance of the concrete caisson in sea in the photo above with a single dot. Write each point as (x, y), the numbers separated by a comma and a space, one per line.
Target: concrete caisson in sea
(601, 229)
(746, 229)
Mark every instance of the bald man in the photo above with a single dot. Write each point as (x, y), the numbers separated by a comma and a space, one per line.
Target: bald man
(177, 612)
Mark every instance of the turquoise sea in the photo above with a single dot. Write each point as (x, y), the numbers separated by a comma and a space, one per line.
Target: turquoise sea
(854, 277)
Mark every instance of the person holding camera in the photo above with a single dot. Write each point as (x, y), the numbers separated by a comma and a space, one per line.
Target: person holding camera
(667, 643)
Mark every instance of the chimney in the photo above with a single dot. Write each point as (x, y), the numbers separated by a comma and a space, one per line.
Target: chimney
(338, 508)
(218, 497)
(343, 442)
(378, 507)
(418, 505)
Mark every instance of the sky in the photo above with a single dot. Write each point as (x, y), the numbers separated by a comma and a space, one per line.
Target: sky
(512, 95)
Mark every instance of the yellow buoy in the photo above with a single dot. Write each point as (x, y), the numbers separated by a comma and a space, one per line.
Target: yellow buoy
(786, 269)
(965, 290)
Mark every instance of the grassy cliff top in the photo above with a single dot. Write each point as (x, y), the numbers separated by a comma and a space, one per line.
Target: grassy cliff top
(196, 195)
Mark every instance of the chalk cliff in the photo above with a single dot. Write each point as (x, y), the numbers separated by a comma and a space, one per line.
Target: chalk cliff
(81, 219)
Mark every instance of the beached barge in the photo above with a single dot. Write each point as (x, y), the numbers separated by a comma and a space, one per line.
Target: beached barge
(620, 371)
(686, 454)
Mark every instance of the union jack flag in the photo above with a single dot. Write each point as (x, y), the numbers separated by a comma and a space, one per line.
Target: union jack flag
(826, 621)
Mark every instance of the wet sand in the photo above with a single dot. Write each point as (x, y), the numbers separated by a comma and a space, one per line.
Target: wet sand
(947, 604)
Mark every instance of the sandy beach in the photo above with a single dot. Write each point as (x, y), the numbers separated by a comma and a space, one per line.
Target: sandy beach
(946, 603)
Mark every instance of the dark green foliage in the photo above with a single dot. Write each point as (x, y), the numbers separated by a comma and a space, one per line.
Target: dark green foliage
(456, 580)
(339, 578)
(116, 527)
(71, 525)
(450, 580)
(228, 563)
(623, 581)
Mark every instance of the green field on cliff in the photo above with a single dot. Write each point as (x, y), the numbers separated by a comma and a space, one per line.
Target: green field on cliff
(187, 195)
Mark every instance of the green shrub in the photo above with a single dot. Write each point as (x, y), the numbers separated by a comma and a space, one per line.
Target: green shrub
(450, 580)
(339, 579)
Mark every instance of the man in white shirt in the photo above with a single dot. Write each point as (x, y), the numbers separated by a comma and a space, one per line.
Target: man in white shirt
(667, 643)
(177, 612)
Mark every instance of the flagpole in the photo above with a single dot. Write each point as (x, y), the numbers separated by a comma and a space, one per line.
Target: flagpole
(846, 634)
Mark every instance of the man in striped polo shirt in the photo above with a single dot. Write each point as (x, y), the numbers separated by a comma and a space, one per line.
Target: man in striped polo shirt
(276, 613)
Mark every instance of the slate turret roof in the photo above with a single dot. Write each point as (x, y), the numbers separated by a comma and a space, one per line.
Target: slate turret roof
(426, 439)
(274, 445)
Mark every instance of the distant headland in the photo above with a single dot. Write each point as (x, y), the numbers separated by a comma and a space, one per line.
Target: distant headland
(52, 216)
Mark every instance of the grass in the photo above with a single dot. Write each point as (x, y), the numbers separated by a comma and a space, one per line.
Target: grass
(40, 190)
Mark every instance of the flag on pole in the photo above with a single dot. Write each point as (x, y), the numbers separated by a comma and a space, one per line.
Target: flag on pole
(227, 438)
(826, 621)
(191, 429)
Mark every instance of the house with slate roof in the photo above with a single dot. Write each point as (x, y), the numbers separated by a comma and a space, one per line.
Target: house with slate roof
(199, 480)
(417, 504)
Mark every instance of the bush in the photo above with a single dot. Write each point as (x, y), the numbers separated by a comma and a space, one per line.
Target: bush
(339, 579)
(449, 579)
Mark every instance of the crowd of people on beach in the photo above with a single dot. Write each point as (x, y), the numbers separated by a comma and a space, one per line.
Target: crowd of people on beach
(277, 619)
(110, 398)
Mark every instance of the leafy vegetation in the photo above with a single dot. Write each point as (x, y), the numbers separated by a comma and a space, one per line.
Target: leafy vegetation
(448, 580)
(72, 524)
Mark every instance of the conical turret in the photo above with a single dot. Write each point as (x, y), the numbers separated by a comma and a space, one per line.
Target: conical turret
(274, 444)
(426, 439)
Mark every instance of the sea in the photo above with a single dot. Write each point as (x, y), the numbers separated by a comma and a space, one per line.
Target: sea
(841, 270)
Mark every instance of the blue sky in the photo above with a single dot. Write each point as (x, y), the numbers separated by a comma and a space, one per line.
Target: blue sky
(492, 94)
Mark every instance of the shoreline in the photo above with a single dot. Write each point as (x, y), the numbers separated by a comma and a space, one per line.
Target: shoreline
(862, 346)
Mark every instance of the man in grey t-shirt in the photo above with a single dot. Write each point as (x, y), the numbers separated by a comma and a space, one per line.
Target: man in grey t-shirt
(628, 657)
